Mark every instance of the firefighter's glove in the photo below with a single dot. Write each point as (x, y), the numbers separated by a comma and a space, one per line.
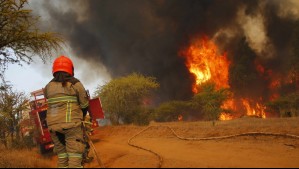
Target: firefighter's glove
(88, 127)
(85, 110)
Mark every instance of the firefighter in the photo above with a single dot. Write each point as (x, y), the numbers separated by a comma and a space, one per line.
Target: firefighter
(67, 105)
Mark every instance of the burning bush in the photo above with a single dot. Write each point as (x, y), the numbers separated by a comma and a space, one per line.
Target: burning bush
(207, 105)
(210, 101)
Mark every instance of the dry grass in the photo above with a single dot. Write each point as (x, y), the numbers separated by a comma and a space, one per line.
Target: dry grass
(32, 159)
(23, 159)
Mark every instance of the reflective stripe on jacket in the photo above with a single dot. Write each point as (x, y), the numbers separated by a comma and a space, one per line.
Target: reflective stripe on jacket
(65, 103)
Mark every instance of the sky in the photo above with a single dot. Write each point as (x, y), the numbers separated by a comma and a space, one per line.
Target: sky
(26, 78)
(32, 77)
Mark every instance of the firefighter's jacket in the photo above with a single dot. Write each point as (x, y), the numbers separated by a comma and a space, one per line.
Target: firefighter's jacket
(65, 103)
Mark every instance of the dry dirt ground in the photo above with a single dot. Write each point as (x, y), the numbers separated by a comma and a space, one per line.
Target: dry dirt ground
(254, 151)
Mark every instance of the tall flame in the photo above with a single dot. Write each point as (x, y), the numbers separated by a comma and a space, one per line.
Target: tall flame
(258, 110)
(205, 64)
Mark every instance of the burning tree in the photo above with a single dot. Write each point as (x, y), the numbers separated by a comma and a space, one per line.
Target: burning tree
(205, 62)
(210, 101)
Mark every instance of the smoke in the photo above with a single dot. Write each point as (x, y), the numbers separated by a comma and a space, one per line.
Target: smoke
(146, 36)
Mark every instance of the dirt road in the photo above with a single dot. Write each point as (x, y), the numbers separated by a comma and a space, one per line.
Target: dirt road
(244, 151)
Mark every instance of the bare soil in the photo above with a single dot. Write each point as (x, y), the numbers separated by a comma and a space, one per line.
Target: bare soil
(253, 151)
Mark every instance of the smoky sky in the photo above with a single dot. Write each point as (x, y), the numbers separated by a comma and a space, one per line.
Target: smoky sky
(146, 36)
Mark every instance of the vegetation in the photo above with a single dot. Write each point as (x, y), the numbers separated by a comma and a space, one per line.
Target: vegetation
(210, 100)
(170, 111)
(287, 106)
(20, 40)
(12, 104)
(23, 159)
(126, 99)
(204, 105)
(19, 36)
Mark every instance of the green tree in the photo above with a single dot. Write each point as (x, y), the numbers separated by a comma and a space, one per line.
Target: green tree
(124, 98)
(170, 111)
(12, 103)
(210, 100)
(20, 38)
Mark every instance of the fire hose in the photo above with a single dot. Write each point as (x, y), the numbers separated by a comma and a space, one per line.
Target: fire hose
(202, 139)
(93, 147)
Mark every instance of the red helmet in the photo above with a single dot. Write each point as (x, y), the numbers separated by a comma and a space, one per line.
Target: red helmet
(63, 64)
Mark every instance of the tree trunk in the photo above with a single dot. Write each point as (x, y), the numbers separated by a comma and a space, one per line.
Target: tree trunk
(18, 133)
(11, 128)
(3, 138)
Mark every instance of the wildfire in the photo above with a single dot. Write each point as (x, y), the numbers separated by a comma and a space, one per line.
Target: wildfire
(225, 116)
(229, 104)
(258, 111)
(205, 64)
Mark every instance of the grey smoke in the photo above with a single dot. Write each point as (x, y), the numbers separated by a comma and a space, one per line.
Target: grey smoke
(146, 35)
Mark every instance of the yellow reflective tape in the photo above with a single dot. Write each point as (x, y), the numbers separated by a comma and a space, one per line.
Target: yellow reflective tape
(63, 155)
(68, 112)
(85, 105)
(74, 155)
(62, 99)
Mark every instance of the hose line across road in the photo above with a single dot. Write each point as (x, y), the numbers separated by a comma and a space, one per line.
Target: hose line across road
(160, 158)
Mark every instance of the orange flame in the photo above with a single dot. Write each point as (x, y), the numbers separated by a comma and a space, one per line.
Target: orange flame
(229, 104)
(258, 111)
(205, 64)
(225, 116)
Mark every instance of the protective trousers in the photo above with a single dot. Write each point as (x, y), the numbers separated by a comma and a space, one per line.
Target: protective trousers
(69, 146)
